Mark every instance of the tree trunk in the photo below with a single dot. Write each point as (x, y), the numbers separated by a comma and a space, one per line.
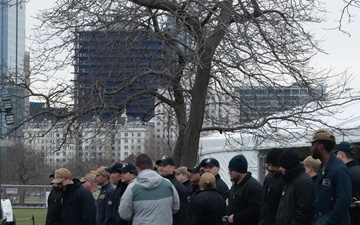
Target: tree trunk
(196, 117)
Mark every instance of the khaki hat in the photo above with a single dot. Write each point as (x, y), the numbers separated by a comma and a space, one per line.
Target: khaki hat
(101, 171)
(60, 175)
(182, 170)
(90, 177)
(314, 163)
(322, 134)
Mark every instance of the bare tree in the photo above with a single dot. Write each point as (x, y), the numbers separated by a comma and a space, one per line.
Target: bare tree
(210, 49)
(22, 165)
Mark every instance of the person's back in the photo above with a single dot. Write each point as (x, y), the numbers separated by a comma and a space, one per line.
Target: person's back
(78, 205)
(208, 207)
(150, 198)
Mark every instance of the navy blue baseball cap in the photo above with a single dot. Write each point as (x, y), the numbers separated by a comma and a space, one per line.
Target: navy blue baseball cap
(346, 147)
(129, 167)
(195, 169)
(167, 160)
(210, 162)
(114, 168)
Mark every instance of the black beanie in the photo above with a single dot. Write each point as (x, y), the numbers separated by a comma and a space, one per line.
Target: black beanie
(289, 159)
(273, 155)
(239, 164)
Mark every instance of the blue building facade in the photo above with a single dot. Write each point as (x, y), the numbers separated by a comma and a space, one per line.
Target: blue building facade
(12, 58)
(117, 71)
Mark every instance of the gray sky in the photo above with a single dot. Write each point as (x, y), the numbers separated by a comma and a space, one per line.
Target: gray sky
(343, 51)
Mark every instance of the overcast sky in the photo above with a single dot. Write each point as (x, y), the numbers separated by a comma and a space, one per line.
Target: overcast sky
(343, 50)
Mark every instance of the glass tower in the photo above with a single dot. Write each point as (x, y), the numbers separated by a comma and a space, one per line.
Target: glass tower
(12, 59)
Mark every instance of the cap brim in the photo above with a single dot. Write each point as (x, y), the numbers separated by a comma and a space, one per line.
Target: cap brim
(110, 170)
(161, 161)
(57, 180)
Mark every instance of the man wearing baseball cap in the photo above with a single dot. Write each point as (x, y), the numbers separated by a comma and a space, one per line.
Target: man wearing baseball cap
(311, 166)
(346, 152)
(166, 168)
(115, 179)
(78, 205)
(195, 175)
(106, 199)
(212, 165)
(333, 190)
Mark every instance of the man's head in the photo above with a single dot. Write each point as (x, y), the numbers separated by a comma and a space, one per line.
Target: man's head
(272, 164)
(62, 177)
(194, 174)
(115, 174)
(182, 174)
(322, 142)
(166, 165)
(128, 173)
(238, 166)
(143, 162)
(346, 151)
(88, 181)
(311, 165)
(210, 165)
(288, 160)
(102, 176)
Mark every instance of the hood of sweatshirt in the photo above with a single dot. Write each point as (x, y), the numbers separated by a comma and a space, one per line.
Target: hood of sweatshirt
(148, 179)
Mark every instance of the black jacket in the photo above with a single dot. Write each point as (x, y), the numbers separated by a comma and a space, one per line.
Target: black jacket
(296, 205)
(179, 218)
(354, 170)
(272, 190)
(53, 216)
(188, 187)
(78, 206)
(245, 201)
(207, 208)
(119, 191)
(221, 186)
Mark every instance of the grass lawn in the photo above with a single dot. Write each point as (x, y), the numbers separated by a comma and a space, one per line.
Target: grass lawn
(24, 216)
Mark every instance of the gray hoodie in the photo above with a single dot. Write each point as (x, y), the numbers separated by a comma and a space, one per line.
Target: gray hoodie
(150, 199)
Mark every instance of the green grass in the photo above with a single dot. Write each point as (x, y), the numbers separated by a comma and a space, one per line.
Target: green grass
(24, 216)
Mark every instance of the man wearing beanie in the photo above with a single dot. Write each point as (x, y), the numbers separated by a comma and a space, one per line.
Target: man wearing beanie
(272, 188)
(333, 190)
(244, 202)
(297, 200)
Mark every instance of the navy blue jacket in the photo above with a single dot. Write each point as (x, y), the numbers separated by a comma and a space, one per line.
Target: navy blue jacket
(333, 193)
(78, 206)
(272, 189)
(245, 201)
(206, 208)
(354, 169)
(105, 205)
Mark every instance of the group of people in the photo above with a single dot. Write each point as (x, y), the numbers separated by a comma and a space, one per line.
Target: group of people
(322, 189)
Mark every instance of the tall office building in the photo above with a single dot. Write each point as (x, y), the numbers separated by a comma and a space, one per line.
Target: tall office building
(112, 68)
(12, 60)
